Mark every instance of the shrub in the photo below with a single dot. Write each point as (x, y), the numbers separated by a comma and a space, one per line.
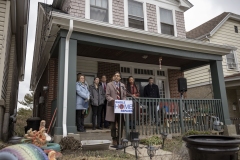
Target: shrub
(154, 140)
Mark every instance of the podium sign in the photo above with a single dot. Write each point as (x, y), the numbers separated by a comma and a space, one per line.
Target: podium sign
(123, 106)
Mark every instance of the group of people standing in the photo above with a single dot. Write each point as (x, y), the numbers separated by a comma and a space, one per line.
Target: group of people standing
(101, 96)
(95, 95)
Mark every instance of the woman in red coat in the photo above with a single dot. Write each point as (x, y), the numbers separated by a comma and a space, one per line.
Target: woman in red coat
(133, 89)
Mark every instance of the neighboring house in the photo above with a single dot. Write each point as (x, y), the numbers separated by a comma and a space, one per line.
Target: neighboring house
(223, 29)
(103, 36)
(13, 44)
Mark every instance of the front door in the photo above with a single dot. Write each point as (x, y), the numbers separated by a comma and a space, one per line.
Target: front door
(141, 83)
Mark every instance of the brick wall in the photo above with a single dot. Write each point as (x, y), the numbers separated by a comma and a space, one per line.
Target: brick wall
(107, 69)
(151, 18)
(52, 87)
(173, 76)
(50, 79)
(74, 7)
(180, 24)
(118, 12)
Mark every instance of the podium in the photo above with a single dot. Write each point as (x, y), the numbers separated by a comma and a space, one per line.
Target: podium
(122, 107)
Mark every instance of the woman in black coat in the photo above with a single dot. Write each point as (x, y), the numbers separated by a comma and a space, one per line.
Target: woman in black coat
(97, 97)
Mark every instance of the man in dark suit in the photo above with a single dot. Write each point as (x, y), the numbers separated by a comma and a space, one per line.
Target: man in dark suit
(151, 90)
(104, 85)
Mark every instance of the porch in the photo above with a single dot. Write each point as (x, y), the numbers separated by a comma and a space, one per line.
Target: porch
(110, 55)
(115, 48)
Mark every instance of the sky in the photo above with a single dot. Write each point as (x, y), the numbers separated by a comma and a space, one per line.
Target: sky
(202, 11)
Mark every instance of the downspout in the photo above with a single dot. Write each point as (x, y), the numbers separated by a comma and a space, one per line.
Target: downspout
(65, 90)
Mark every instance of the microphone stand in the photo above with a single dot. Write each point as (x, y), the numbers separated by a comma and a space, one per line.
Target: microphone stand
(136, 100)
(120, 146)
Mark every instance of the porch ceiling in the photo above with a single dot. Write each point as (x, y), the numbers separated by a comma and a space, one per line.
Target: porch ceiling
(104, 52)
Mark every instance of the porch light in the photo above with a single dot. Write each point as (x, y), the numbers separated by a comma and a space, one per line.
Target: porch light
(135, 145)
(160, 63)
(125, 143)
(151, 151)
(164, 136)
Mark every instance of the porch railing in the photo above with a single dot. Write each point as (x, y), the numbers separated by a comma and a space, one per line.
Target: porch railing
(153, 116)
(236, 122)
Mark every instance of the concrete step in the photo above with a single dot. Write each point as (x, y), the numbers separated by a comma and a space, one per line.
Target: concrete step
(97, 134)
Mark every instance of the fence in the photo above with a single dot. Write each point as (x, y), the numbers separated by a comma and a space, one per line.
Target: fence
(154, 116)
(236, 122)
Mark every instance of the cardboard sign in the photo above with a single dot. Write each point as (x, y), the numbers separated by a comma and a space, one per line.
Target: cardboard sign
(123, 106)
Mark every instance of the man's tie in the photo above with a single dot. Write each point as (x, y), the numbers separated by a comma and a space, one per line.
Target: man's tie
(104, 87)
(118, 93)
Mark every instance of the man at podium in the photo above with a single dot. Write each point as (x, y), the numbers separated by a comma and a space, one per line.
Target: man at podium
(115, 91)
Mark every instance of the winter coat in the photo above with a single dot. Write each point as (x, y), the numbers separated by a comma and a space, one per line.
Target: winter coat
(82, 96)
(151, 91)
(111, 95)
(97, 96)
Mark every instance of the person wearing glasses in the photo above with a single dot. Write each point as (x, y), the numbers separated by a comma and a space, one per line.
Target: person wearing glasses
(114, 91)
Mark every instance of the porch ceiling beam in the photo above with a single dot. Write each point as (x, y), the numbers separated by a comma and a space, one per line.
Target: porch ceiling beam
(138, 47)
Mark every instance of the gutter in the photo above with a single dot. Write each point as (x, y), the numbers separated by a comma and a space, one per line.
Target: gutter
(65, 89)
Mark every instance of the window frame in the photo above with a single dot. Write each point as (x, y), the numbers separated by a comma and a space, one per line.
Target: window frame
(142, 19)
(235, 61)
(101, 8)
(159, 20)
(236, 29)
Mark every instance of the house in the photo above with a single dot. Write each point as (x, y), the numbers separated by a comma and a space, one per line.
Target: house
(223, 29)
(13, 44)
(141, 38)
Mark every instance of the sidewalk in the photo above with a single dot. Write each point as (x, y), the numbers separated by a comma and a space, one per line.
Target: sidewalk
(142, 153)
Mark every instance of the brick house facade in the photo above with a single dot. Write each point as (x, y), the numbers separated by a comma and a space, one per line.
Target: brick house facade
(77, 8)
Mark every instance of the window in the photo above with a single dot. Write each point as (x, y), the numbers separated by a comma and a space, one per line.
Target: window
(166, 20)
(160, 73)
(99, 10)
(236, 29)
(135, 14)
(143, 71)
(231, 61)
(125, 70)
(161, 87)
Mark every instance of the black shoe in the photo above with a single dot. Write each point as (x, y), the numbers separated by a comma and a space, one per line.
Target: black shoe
(107, 127)
(81, 130)
(93, 128)
(99, 128)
